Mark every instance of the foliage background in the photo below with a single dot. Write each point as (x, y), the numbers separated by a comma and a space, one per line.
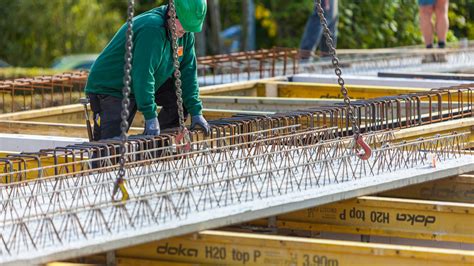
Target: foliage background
(35, 32)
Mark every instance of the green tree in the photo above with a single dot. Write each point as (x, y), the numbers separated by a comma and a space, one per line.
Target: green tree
(34, 33)
(362, 23)
(461, 18)
(378, 23)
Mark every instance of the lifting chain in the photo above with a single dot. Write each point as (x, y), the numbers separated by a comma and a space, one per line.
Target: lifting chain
(335, 62)
(183, 135)
(127, 78)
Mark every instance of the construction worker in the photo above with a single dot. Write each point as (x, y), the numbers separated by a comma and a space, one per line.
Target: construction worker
(440, 9)
(152, 73)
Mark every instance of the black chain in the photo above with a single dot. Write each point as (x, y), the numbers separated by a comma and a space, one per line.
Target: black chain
(126, 89)
(337, 69)
(177, 72)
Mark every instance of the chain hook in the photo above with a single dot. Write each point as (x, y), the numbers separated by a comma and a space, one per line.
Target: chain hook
(120, 184)
(366, 150)
(183, 140)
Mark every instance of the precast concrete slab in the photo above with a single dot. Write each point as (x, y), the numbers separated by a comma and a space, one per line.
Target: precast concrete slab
(74, 215)
(34, 143)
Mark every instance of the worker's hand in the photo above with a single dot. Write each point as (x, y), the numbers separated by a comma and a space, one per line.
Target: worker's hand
(152, 127)
(198, 121)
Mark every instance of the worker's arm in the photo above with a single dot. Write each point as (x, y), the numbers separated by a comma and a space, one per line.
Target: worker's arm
(146, 59)
(189, 78)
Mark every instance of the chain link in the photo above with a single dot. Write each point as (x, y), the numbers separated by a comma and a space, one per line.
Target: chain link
(126, 89)
(177, 72)
(337, 69)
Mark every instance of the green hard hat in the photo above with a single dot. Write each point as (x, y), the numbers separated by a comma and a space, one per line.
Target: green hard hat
(191, 14)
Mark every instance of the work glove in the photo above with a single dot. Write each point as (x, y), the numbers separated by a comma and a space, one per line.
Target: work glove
(198, 121)
(152, 127)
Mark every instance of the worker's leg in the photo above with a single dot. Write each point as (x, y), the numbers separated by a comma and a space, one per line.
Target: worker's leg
(165, 97)
(311, 36)
(332, 16)
(107, 115)
(442, 21)
(426, 26)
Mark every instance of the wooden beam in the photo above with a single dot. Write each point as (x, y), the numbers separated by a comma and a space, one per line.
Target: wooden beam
(333, 91)
(392, 217)
(50, 129)
(228, 248)
(274, 104)
(141, 262)
(70, 264)
(50, 111)
(459, 125)
(49, 125)
(453, 189)
(243, 88)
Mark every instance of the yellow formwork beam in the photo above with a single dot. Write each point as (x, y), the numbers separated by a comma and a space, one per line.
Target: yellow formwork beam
(333, 91)
(77, 118)
(70, 264)
(228, 248)
(101, 260)
(392, 217)
(459, 125)
(243, 88)
(52, 123)
(141, 262)
(31, 165)
(454, 189)
(280, 88)
(50, 129)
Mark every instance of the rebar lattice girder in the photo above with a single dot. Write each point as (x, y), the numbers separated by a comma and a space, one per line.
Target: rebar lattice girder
(53, 211)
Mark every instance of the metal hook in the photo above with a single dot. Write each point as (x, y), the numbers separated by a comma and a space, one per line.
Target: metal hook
(120, 184)
(183, 138)
(367, 151)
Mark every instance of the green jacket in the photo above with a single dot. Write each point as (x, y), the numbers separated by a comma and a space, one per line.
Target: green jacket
(152, 64)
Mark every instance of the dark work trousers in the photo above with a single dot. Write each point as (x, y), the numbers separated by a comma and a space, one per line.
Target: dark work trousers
(107, 111)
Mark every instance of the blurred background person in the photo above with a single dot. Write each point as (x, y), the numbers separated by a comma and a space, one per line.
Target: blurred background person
(313, 36)
(440, 9)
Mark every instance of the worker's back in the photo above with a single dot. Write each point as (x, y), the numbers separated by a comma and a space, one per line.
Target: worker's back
(106, 76)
